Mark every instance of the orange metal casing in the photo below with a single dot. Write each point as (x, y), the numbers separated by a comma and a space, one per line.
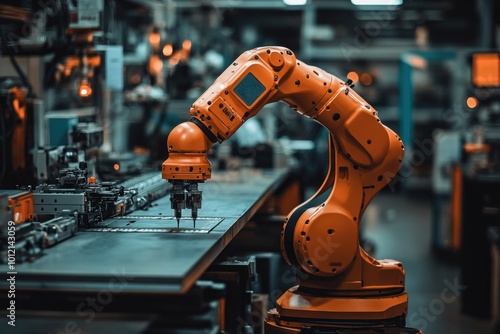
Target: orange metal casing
(22, 207)
(364, 157)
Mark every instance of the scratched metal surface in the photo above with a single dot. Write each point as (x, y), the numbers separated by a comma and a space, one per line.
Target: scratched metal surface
(153, 262)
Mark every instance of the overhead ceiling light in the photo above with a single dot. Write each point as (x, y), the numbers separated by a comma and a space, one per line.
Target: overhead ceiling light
(295, 2)
(377, 2)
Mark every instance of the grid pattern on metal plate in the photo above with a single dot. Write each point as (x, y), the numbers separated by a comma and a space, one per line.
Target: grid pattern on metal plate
(155, 224)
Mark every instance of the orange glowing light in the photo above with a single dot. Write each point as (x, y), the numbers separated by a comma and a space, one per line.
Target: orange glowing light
(155, 64)
(174, 60)
(116, 167)
(353, 76)
(84, 90)
(416, 61)
(472, 102)
(486, 69)
(135, 79)
(186, 45)
(366, 79)
(168, 50)
(140, 150)
(154, 38)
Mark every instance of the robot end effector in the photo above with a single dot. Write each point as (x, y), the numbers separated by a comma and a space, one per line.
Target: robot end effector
(187, 165)
(185, 195)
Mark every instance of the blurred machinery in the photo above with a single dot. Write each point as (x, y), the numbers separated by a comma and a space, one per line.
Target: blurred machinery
(85, 19)
(482, 148)
(15, 138)
(52, 213)
(57, 37)
(476, 185)
(68, 148)
(62, 121)
(465, 177)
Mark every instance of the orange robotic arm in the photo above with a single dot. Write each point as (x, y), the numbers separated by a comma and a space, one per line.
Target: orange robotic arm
(320, 237)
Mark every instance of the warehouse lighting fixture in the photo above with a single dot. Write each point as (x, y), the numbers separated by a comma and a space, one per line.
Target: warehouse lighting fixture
(377, 2)
(295, 2)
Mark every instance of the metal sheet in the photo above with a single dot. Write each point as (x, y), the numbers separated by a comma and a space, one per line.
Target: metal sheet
(148, 261)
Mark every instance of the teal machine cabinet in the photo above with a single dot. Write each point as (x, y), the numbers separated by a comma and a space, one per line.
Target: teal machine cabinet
(408, 61)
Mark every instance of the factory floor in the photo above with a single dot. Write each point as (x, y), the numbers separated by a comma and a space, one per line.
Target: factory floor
(399, 224)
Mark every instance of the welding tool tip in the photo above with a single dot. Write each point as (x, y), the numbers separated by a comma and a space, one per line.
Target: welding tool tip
(194, 215)
(178, 215)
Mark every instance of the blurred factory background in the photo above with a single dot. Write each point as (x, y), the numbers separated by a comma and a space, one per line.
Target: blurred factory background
(90, 90)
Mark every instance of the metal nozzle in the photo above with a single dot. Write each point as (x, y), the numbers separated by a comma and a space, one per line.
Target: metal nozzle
(178, 199)
(193, 199)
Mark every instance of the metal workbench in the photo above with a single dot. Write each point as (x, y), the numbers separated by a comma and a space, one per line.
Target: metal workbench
(156, 257)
